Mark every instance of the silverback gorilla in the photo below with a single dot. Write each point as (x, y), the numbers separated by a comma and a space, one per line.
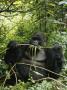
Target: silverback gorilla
(33, 60)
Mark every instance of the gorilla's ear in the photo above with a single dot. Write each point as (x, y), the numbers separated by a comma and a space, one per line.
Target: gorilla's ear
(12, 44)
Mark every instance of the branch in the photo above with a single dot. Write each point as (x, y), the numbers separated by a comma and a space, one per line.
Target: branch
(43, 68)
(21, 11)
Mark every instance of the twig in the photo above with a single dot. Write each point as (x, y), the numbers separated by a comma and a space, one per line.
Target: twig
(15, 75)
(9, 72)
(50, 79)
(3, 51)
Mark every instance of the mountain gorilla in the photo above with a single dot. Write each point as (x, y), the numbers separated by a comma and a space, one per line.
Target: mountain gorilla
(34, 60)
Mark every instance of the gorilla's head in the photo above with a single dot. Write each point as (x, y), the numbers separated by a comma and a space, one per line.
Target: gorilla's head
(38, 39)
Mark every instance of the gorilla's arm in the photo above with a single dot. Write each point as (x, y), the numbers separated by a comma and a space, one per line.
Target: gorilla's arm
(13, 53)
(54, 60)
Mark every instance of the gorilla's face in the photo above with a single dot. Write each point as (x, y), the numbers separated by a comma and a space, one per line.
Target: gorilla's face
(37, 39)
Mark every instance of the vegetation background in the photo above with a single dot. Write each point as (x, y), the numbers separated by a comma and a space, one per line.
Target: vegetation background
(19, 19)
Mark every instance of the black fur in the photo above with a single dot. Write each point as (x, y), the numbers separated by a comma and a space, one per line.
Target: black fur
(48, 58)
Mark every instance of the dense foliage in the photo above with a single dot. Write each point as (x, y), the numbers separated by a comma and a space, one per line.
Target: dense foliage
(19, 19)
